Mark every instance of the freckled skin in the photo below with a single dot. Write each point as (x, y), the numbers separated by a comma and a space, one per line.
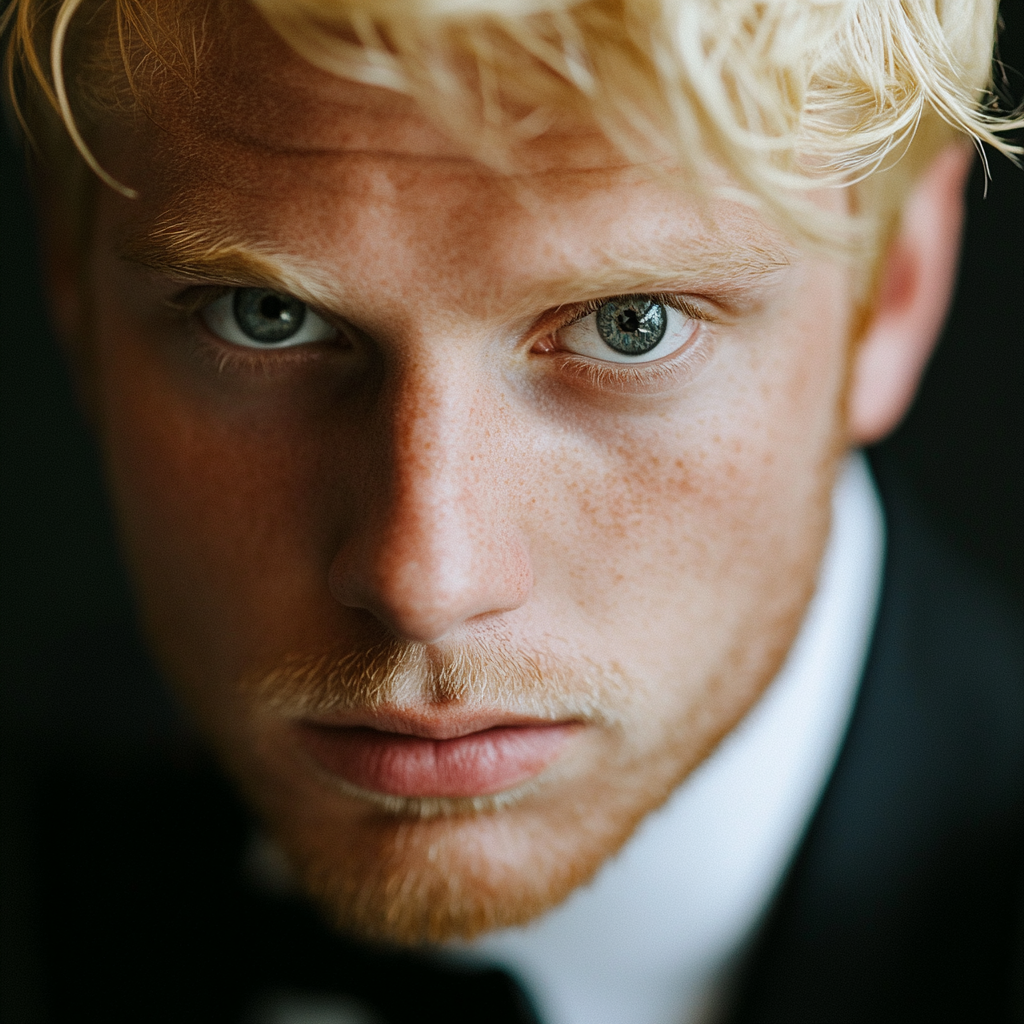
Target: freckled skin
(449, 481)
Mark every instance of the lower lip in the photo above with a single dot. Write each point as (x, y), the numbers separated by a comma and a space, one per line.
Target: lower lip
(478, 764)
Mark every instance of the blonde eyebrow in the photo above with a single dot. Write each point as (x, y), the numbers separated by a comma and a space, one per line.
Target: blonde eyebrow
(695, 266)
(737, 245)
(692, 264)
(212, 255)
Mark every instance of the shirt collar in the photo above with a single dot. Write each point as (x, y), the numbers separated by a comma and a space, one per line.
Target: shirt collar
(653, 939)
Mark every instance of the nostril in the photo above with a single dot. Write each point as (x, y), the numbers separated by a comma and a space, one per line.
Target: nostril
(423, 598)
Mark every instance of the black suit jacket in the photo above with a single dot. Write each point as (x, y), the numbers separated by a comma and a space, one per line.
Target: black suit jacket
(902, 904)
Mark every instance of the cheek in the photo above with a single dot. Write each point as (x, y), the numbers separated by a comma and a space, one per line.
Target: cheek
(640, 527)
(704, 524)
(218, 515)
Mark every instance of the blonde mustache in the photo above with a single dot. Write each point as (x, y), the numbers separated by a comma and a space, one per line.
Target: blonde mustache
(395, 675)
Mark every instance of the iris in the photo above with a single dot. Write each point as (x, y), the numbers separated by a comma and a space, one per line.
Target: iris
(632, 325)
(266, 316)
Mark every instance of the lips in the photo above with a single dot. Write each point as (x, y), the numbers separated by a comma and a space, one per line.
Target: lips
(400, 763)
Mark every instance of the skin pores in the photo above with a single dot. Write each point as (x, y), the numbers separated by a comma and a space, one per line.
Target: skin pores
(440, 520)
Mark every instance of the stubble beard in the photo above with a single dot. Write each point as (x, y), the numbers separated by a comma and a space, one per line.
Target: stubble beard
(416, 882)
(425, 871)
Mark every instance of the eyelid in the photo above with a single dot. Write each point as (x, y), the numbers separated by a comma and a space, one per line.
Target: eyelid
(678, 302)
(649, 379)
(197, 297)
(580, 366)
(221, 318)
(578, 337)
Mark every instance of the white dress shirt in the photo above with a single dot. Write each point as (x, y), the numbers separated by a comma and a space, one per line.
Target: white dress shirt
(653, 939)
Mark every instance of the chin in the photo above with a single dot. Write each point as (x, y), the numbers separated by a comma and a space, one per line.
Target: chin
(415, 872)
(414, 881)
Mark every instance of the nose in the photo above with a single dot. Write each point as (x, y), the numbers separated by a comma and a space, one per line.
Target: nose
(432, 543)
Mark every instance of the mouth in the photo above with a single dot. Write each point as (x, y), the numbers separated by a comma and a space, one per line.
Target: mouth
(406, 757)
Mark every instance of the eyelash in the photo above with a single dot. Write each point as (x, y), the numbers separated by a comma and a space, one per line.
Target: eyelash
(235, 359)
(641, 376)
(225, 358)
(684, 306)
(222, 355)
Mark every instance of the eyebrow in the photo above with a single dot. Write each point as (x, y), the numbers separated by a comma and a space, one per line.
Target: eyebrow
(206, 253)
(694, 261)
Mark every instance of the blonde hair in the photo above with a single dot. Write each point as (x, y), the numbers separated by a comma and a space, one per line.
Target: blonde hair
(779, 95)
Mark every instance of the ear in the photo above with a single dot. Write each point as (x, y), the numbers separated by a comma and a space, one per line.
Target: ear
(913, 297)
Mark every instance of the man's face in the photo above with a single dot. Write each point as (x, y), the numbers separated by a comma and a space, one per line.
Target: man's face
(459, 590)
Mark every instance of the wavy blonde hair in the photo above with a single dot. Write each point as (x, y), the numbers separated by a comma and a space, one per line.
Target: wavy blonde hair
(773, 95)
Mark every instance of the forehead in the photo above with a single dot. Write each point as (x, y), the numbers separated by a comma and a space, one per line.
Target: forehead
(249, 89)
(275, 154)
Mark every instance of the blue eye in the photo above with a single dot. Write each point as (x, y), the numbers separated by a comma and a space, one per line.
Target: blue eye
(633, 326)
(628, 329)
(263, 318)
(268, 317)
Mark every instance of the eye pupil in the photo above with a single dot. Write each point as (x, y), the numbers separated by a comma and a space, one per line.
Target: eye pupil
(628, 321)
(632, 325)
(272, 307)
(267, 316)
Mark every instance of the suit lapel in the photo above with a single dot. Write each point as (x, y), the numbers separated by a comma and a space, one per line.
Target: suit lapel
(900, 902)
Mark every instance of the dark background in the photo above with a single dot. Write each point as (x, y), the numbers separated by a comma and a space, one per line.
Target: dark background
(63, 593)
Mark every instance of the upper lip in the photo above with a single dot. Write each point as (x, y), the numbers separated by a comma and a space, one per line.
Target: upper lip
(433, 725)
